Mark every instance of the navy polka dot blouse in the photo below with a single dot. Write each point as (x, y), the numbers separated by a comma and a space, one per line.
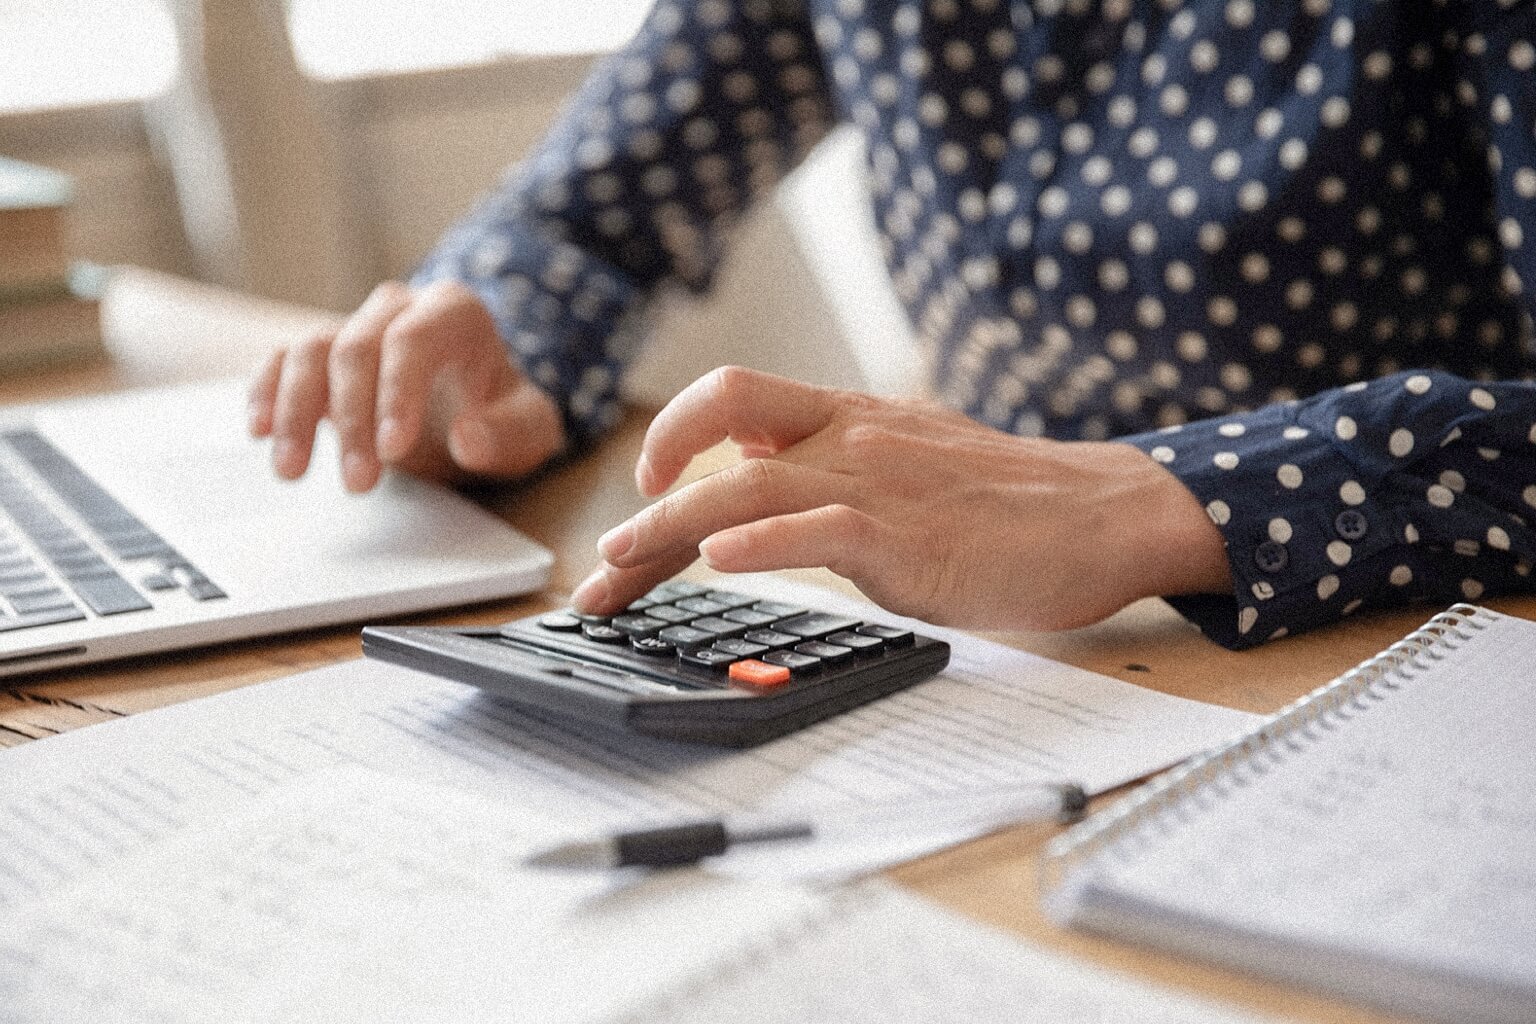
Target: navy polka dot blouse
(1278, 245)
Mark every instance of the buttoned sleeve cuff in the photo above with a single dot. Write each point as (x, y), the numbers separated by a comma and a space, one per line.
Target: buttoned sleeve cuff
(569, 319)
(1307, 539)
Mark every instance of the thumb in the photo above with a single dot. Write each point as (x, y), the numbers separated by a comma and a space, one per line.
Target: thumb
(509, 436)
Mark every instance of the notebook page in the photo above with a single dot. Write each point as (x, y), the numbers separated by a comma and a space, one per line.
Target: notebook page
(1404, 833)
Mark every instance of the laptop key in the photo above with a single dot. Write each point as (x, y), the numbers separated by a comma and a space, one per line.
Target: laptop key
(48, 618)
(111, 595)
(40, 601)
(204, 589)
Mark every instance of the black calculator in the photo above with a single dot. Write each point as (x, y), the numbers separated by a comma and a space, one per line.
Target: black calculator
(687, 662)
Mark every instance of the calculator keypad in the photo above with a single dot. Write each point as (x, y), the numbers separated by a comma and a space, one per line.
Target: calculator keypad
(688, 662)
(709, 632)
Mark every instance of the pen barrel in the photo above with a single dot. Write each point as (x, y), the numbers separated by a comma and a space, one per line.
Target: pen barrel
(678, 844)
(995, 809)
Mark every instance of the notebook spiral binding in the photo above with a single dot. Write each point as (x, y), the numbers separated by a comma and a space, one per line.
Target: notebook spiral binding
(1286, 730)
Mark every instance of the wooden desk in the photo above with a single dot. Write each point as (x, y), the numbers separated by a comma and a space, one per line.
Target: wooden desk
(157, 327)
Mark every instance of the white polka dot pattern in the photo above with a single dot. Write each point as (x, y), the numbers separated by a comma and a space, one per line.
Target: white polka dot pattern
(1302, 228)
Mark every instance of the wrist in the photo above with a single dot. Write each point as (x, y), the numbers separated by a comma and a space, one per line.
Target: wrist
(1178, 548)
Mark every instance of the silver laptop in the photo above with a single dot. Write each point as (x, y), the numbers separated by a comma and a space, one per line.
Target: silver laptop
(148, 521)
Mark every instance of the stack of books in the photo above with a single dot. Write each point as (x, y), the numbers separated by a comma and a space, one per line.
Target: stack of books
(49, 305)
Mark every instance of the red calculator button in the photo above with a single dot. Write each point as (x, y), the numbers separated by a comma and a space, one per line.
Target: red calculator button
(758, 673)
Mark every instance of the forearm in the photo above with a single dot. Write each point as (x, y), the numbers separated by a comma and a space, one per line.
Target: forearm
(636, 185)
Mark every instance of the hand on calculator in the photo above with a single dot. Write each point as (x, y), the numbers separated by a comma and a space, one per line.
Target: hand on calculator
(929, 513)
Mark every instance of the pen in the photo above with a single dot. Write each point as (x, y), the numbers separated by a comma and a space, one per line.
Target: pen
(691, 842)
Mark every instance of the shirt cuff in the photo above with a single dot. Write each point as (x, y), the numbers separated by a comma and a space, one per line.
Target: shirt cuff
(1305, 540)
(570, 320)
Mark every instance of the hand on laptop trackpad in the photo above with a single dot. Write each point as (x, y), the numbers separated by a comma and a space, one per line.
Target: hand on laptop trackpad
(169, 474)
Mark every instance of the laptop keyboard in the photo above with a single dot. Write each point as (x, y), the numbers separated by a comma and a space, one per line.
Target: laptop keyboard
(80, 578)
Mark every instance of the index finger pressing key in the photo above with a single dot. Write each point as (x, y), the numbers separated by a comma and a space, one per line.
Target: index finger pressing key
(753, 409)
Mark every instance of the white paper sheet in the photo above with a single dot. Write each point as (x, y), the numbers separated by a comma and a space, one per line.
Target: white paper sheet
(350, 838)
(882, 956)
(346, 897)
(995, 716)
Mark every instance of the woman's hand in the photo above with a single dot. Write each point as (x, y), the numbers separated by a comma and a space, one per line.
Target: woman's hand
(416, 378)
(927, 512)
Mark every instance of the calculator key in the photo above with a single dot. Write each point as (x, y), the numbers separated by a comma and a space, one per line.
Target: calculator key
(671, 613)
(778, 609)
(597, 632)
(815, 625)
(797, 663)
(829, 653)
(758, 673)
(706, 657)
(719, 627)
(639, 606)
(862, 643)
(729, 598)
(560, 622)
(740, 648)
(771, 638)
(674, 589)
(890, 634)
(601, 620)
(638, 625)
(652, 646)
(701, 605)
(749, 616)
(684, 636)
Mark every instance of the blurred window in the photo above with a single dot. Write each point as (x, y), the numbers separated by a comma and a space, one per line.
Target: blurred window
(70, 53)
(352, 38)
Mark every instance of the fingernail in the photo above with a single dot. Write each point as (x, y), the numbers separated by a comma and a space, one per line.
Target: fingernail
(717, 551)
(592, 592)
(616, 542)
(356, 471)
(284, 455)
(471, 443)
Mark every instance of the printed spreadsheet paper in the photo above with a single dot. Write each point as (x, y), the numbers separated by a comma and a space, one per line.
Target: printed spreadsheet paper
(279, 788)
(341, 901)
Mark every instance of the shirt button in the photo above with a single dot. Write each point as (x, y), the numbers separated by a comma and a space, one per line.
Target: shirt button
(1351, 524)
(1271, 556)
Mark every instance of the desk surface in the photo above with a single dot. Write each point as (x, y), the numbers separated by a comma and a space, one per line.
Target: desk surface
(156, 326)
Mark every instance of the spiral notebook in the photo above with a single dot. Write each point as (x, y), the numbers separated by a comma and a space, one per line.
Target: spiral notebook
(1376, 839)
